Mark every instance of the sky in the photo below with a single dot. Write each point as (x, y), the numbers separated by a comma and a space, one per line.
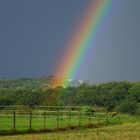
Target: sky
(34, 33)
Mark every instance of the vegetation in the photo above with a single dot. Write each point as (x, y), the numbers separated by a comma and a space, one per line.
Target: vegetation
(128, 131)
(21, 119)
(52, 118)
(115, 96)
(123, 97)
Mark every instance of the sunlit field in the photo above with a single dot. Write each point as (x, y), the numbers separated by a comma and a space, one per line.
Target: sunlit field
(36, 122)
(126, 131)
(23, 123)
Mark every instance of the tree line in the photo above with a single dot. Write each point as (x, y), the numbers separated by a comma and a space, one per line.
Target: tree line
(115, 96)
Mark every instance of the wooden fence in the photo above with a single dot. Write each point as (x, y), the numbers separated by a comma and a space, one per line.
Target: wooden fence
(15, 119)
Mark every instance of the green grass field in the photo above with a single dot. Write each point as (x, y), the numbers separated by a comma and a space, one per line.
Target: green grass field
(22, 122)
(121, 126)
(126, 131)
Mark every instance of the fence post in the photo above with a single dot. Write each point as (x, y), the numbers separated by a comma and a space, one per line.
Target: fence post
(45, 120)
(79, 117)
(107, 117)
(14, 121)
(30, 127)
(57, 119)
(69, 117)
(89, 118)
(98, 118)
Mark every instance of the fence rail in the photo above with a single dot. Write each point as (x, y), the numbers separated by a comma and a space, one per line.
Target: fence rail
(14, 119)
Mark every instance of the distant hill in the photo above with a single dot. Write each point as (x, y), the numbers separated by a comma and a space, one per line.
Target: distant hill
(23, 83)
(33, 83)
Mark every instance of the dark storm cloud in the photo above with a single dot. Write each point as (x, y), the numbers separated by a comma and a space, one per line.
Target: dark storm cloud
(33, 34)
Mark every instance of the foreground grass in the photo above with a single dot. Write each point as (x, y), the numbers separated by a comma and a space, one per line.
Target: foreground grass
(22, 123)
(127, 131)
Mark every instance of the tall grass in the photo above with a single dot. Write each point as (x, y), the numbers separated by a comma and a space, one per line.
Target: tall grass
(128, 131)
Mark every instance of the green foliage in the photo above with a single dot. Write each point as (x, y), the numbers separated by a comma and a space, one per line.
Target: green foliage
(119, 96)
(126, 107)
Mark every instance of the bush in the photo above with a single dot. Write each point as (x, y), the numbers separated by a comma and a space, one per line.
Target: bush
(126, 107)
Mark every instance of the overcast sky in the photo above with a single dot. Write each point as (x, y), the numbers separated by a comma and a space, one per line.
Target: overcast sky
(34, 33)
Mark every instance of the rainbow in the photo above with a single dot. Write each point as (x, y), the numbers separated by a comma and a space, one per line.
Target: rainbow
(82, 39)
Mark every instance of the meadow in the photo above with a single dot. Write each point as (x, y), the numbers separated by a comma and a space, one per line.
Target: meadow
(38, 121)
(125, 131)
